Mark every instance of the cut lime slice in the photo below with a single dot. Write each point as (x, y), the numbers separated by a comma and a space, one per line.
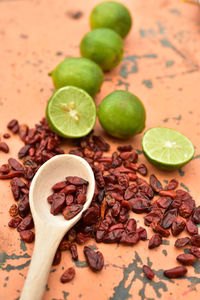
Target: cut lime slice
(167, 148)
(71, 112)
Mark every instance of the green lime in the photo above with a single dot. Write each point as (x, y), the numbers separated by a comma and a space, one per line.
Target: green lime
(122, 114)
(80, 72)
(113, 15)
(167, 148)
(104, 46)
(71, 112)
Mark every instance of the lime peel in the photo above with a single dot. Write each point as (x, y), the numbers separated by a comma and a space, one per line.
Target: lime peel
(71, 112)
(167, 148)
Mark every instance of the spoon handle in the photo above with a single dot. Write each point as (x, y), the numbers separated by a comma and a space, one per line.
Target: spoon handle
(46, 244)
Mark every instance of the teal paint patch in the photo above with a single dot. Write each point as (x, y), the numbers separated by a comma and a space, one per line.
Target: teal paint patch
(134, 270)
(175, 11)
(139, 152)
(161, 28)
(130, 64)
(148, 83)
(81, 264)
(185, 187)
(147, 32)
(181, 172)
(196, 157)
(9, 267)
(166, 181)
(177, 118)
(47, 288)
(169, 63)
(59, 53)
(164, 252)
(186, 250)
(7, 278)
(165, 242)
(93, 246)
(65, 294)
(166, 120)
(52, 271)
(143, 33)
(4, 256)
(166, 43)
(23, 245)
(125, 84)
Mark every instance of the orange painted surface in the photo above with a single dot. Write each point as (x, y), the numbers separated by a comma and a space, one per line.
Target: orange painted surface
(161, 66)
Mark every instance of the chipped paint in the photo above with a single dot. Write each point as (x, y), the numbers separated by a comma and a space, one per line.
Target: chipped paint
(185, 187)
(148, 83)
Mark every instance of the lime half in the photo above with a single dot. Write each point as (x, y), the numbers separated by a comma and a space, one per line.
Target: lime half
(71, 112)
(167, 148)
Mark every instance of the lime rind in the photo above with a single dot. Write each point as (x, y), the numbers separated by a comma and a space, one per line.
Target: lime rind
(167, 148)
(81, 106)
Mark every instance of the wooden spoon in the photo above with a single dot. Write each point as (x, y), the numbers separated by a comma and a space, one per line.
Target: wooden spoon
(50, 229)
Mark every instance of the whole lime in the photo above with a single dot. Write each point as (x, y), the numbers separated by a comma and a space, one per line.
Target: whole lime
(104, 46)
(113, 15)
(80, 72)
(122, 114)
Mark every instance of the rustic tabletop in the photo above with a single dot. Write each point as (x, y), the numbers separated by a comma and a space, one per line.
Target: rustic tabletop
(161, 66)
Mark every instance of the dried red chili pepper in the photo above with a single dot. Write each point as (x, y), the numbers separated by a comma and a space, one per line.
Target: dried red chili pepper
(166, 193)
(142, 169)
(14, 222)
(155, 241)
(6, 135)
(159, 229)
(5, 169)
(196, 215)
(91, 215)
(58, 202)
(178, 226)
(68, 275)
(12, 175)
(186, 259)
(164, 202)
(27, 235)
(176, 272)
(75, 180)
(15, 165)
(130, 191)
(57, 258)
(26, 223)
(155, 183)
(142, 233)
(182, 242)
(169, 217)
(191, 227)
(4, 147)
(73, 250)
(94, 259)
(139, 205)
(195, 240)
(148, 272)
(195, 251)
(172, 185)
(71, 211)
(59, 186)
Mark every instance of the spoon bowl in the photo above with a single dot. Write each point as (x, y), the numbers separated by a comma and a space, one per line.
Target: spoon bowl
(50, 229)
(54, 170)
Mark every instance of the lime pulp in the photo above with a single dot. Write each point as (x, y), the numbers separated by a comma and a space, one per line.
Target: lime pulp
(167, 148)
(71, 112)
